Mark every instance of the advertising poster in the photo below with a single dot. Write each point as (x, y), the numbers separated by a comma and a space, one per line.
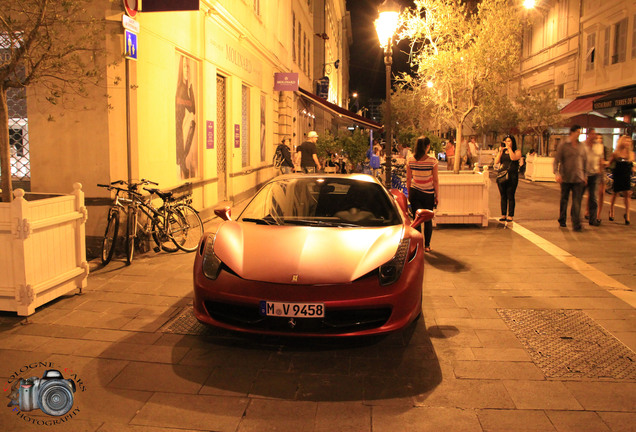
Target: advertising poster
(185, 115)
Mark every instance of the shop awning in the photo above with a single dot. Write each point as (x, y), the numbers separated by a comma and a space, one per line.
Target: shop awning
(582, 104)
(341, 112)
(621, 98)
(592, 120)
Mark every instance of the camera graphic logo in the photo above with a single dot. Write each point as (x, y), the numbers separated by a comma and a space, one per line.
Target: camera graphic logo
(52, 394)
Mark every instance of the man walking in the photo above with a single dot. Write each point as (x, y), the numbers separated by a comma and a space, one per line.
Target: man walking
(595, 162)
(308, 154)
(570, 171)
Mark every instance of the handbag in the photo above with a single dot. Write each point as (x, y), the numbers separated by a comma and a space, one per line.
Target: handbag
(502, 176)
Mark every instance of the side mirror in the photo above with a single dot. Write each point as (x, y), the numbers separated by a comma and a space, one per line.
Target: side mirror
(421, 216)
(224, 213)
(401, 199)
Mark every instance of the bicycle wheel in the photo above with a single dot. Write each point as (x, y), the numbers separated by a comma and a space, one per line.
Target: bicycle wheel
(187, 239)
(131, 232)
(160, 229)
(110, 236)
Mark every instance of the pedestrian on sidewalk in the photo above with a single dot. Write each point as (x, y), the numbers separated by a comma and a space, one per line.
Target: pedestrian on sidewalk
(570, 171)
(284, 149)
(508, 156)
(623, 163)
(423, 184)
(595, 165)
(307, 155)
(450, 154)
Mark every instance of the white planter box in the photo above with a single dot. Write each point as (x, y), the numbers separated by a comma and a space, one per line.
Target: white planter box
(539, 168)
(463, 198)
(486, 157)
(42, 249)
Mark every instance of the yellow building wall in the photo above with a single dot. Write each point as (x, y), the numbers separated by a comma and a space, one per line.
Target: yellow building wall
(88, 142)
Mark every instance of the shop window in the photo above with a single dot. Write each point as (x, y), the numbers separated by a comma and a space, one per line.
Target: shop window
(245, 126)
(263, 127)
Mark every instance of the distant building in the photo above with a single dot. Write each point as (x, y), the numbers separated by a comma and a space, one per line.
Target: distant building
(373, 111)
(586, 50)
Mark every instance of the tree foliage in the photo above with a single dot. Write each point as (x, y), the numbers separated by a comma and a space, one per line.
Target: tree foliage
(537, 112)
(466, 53)
(353, 144)
(55, 43)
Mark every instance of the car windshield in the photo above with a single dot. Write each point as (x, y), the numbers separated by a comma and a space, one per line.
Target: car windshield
(316, 201)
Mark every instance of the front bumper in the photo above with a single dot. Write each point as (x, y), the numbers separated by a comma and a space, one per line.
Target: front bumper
(361, 307)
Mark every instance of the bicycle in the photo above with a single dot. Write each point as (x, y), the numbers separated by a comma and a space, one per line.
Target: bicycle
(187, 235)
(161, 221)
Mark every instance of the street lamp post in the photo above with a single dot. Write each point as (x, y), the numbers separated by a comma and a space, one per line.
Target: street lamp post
(385, 26)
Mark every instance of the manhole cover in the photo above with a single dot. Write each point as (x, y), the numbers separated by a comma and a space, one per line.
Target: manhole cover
(185, 323)
(569, 344)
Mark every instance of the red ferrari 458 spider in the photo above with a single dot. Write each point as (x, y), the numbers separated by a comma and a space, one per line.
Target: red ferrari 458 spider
(313, 255)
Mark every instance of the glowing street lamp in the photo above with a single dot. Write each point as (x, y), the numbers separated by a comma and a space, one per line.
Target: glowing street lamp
(529, 4)
(385, 26)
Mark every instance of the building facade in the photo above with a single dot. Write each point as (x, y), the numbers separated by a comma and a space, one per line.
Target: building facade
(198, 105)
(586, 51)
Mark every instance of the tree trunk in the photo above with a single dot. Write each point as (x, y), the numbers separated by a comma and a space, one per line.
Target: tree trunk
(5, 151)
(458, 148)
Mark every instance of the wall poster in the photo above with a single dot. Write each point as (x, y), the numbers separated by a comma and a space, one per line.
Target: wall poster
(185, 114)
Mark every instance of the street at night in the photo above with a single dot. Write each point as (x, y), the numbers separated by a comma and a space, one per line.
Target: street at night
(463, 366)
(317, 215)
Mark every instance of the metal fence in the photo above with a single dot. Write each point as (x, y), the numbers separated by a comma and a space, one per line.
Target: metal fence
(19, 135)
(18, 124)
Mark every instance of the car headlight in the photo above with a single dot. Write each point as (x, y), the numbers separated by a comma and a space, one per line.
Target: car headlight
(391, 271)
(211, 263)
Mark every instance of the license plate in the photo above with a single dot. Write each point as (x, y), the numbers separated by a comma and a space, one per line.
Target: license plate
(294, 310)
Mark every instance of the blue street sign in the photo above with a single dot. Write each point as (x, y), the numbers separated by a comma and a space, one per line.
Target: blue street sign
(130, 45)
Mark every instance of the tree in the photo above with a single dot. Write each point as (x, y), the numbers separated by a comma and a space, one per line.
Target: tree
(496, 114)
(410, 110)
(463, 54)
(537, 112)
(355, 146)
(55, 43)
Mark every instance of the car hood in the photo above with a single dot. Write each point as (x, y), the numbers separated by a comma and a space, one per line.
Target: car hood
(304, 255)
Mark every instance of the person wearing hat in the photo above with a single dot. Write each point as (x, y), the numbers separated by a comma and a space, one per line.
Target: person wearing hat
(308, 154)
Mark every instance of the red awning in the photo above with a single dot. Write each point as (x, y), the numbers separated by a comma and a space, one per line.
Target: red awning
(580, 105)
(341, 112)
(594, 121)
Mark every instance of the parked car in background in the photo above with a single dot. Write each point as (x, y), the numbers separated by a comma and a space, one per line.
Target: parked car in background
(313, 255)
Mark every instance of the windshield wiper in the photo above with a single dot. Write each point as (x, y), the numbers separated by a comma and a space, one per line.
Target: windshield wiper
(267, 220)
(319, 223)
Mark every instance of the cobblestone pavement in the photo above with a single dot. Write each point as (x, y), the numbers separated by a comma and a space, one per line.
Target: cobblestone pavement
(520, 332)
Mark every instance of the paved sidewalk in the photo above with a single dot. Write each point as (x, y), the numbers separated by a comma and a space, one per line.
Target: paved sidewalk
(467, 365)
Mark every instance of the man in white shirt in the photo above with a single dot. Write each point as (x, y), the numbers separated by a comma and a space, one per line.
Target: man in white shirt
(595, 163)
(473, 149)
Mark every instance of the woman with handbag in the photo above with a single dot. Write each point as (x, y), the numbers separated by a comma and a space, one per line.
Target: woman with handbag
(508, 176)
(422, 183)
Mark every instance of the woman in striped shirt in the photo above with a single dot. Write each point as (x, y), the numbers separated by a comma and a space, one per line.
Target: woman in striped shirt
(423, 184)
